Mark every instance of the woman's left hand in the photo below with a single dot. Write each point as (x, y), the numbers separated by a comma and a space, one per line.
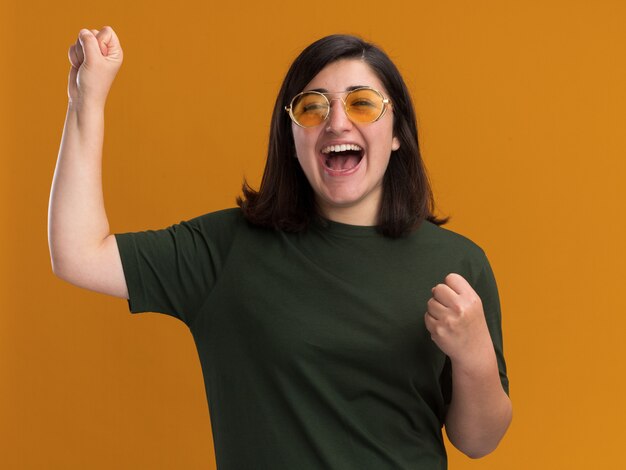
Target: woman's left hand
(456, 321)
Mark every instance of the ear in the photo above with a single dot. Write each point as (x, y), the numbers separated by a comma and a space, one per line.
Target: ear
(395, 144)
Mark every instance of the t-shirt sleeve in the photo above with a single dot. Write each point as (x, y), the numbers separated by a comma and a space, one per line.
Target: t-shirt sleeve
(171, 270)
(484, 283)
(487, 290)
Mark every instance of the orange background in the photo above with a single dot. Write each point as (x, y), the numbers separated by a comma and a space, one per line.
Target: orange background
(522, 113)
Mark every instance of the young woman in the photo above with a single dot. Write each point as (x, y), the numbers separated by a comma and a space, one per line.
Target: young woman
(337, 324)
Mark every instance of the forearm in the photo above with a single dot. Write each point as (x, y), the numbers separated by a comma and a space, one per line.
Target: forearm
(480, 411)
(77, 221)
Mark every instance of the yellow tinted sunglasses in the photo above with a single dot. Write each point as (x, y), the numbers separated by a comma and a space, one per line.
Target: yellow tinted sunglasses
(362, 105)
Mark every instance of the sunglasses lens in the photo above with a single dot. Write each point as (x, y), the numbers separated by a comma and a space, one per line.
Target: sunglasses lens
(364, 105)
(309, 109)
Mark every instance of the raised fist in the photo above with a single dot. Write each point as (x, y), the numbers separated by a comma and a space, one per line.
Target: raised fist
(96, 57)
(456, 320)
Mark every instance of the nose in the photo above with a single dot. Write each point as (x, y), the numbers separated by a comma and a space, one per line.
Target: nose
(338, 121)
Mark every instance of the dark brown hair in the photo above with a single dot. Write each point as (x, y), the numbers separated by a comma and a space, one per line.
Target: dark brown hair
(285, 200)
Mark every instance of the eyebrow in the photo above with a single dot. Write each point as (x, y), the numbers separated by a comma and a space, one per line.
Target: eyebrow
(350, 88)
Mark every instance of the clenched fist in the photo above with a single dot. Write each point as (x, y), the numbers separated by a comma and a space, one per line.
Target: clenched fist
(456, 321)
(96, 57)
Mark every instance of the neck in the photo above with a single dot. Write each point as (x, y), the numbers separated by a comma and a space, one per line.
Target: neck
(363, 215)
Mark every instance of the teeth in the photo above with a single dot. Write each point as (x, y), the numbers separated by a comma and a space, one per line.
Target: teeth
(341, 148)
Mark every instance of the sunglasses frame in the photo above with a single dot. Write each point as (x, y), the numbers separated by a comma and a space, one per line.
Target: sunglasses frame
(386, 103)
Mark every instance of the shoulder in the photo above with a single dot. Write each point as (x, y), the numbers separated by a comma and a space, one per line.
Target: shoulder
(430, 233)
(226, 226)
(452, 246)
(224, 220)
(225, 216)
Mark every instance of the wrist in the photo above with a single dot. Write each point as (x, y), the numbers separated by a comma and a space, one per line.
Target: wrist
(86, 105)
(481, 361)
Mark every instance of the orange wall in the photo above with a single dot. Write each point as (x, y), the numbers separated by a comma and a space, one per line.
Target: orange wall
(522, 111)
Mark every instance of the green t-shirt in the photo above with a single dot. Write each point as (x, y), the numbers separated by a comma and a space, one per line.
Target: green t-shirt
(313, 346)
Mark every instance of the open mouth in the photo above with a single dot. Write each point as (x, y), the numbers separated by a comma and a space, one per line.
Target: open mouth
(342, 158)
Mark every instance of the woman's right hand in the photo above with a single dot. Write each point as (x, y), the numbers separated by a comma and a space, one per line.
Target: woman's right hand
(96, 57)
